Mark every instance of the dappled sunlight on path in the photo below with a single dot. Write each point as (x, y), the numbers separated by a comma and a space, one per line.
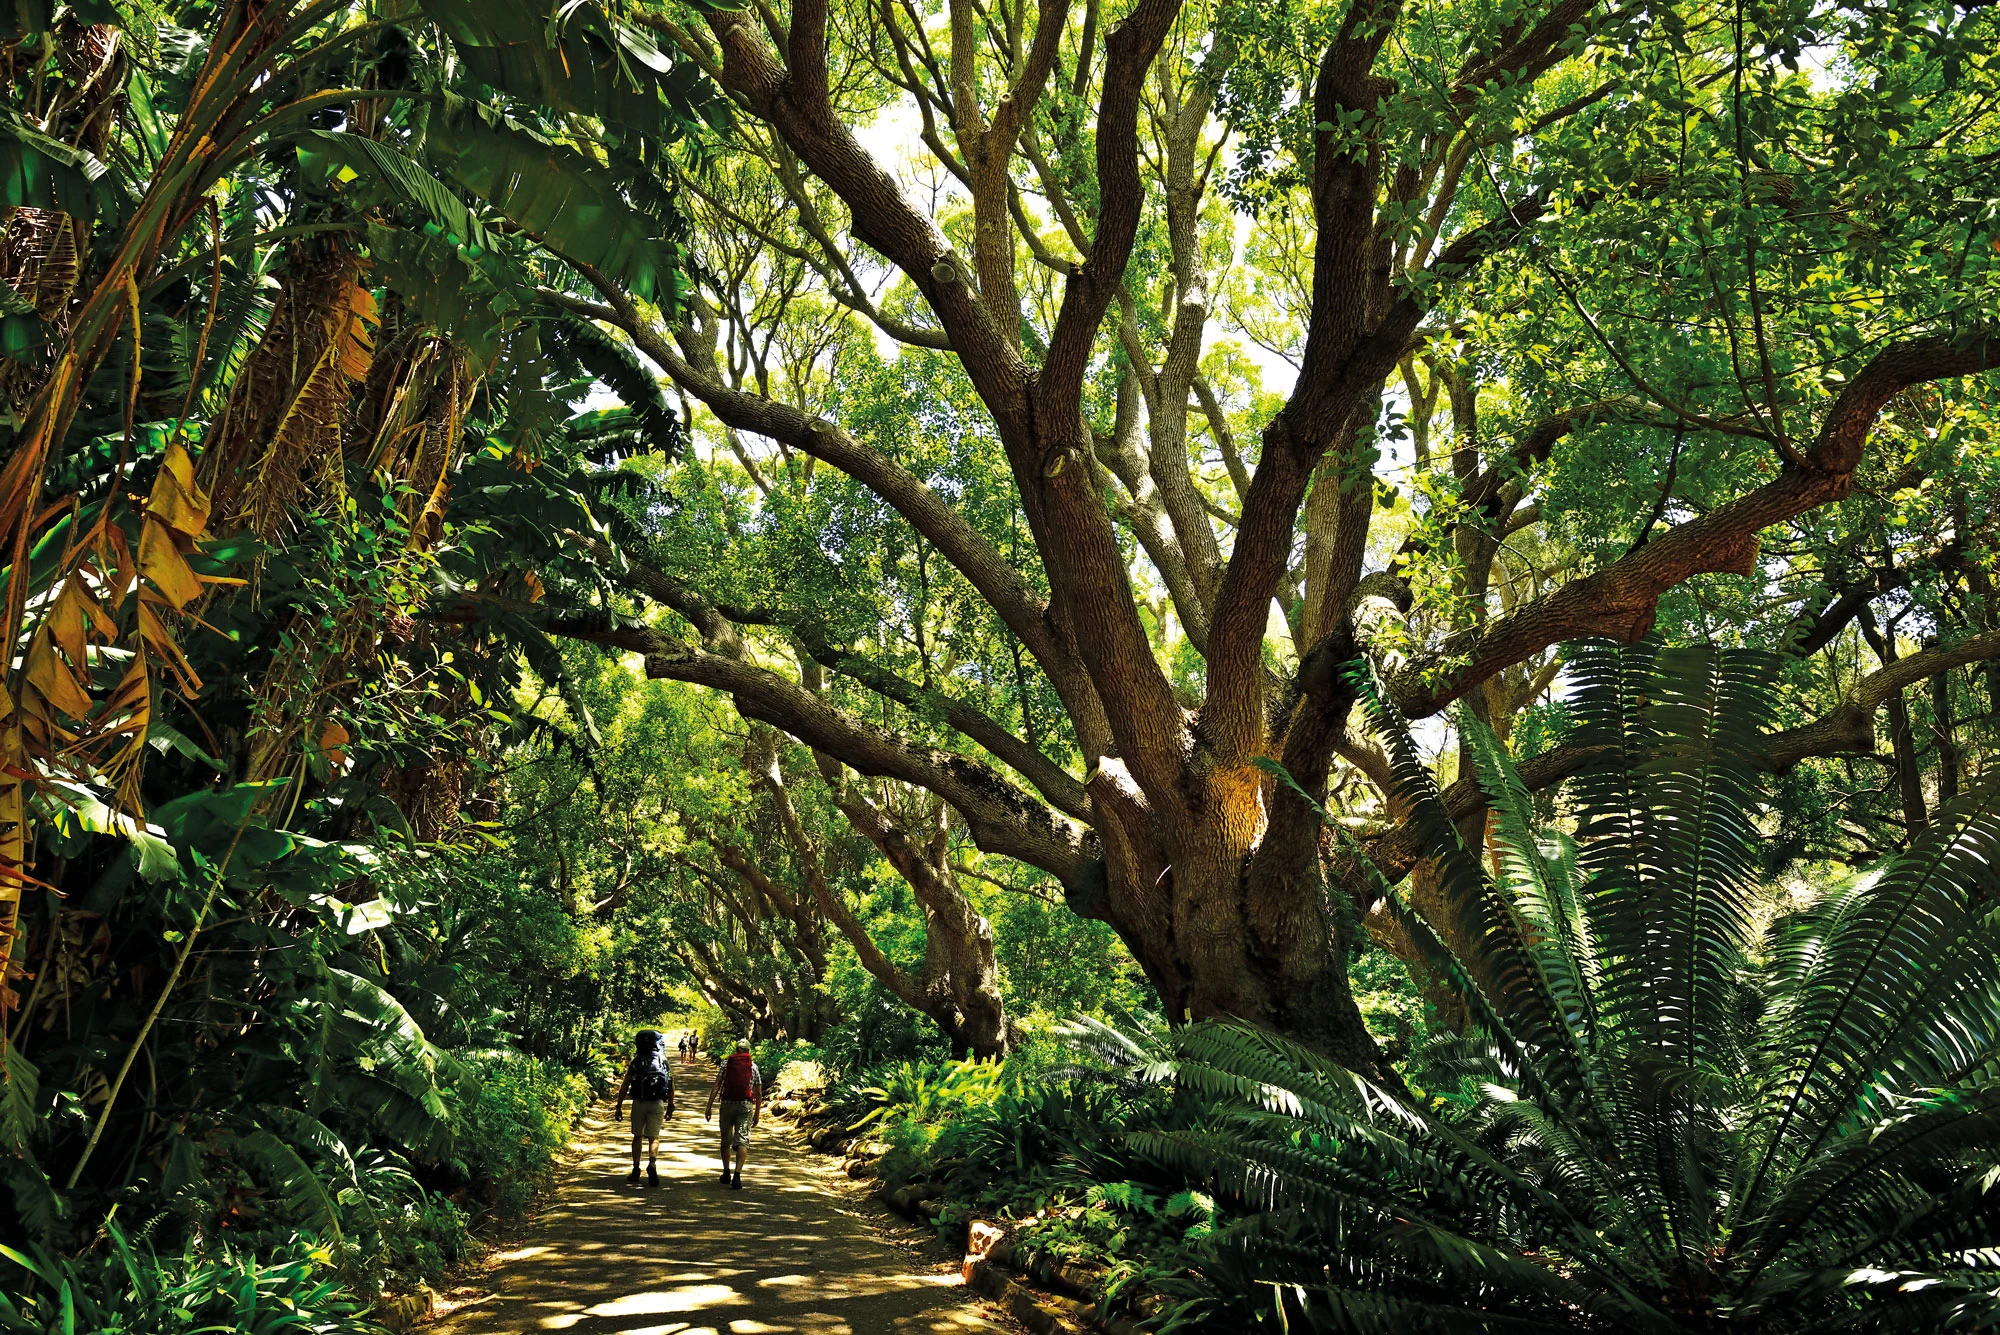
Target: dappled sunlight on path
(786, 1254)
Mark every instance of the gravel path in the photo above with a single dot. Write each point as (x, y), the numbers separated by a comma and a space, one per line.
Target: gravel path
(791, 1252)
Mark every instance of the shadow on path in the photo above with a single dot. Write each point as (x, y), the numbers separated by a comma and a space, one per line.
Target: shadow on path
(785, 1254)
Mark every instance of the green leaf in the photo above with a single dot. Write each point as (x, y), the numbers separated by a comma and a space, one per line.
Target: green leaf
(39, 172)
(322, 153)
(584, 61)
(305, 1197)
(560, 197)
(20, 1088)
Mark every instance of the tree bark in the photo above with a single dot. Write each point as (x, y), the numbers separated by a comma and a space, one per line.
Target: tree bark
(1209, 870)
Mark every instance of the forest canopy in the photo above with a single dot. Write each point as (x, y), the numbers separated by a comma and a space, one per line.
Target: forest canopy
(1435, 561)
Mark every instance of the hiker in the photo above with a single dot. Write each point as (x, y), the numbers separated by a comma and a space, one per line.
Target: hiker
(741, 1089)
(684, 1047)
(651, 1086)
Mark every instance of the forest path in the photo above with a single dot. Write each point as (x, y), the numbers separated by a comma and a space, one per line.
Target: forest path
(790, 1253)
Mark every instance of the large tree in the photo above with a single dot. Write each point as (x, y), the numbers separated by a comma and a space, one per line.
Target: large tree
(1636, 232)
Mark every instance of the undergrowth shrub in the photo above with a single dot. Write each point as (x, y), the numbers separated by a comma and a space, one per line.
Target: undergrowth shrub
(392, 1232)
(415, 1240)
(1038, 1140)
(514, 1126)
(794, 1068)
(117, 1288)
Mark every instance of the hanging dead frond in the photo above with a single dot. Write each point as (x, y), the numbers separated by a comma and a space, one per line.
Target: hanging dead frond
(323, 317)
(429, 477)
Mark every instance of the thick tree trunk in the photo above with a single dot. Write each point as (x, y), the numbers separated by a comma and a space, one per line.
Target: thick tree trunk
(1209, 870)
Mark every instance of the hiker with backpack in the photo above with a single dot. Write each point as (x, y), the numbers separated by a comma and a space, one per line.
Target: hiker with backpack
(651, 1086)
(741, 1088)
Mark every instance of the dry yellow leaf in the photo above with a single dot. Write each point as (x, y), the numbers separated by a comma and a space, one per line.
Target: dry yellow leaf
(131, 704)
(161, 641)
(49, 674)
(354, 336)
(177, 501)
(73, 616)
(162, 565)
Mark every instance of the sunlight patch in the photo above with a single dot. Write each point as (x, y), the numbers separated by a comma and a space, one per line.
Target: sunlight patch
(688, 1298)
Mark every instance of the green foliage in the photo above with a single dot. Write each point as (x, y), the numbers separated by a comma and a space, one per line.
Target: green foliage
(1663, 1132)
(913, 1093)
(119, 1289)
(515, 1125)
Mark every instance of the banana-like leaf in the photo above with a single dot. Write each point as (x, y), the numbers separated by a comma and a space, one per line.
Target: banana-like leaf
(617, 366)
(305, 1197)
(565, 200)
(39, 172)
(585, 61)
(476, 302)
(338, 160)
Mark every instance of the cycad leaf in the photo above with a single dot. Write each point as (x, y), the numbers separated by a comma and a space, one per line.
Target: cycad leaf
(1709, 710)
(1499, 954)
(1861, 1192)
(1902, 992)
(1540, 885)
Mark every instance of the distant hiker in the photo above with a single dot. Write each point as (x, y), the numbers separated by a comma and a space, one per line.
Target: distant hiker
(651, 1086)
(684, 1047)
(741, 1088)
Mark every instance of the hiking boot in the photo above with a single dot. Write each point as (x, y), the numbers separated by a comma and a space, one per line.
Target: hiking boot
(632, 1178)
(736, 1183)
(725, 1177)
(652, 1176)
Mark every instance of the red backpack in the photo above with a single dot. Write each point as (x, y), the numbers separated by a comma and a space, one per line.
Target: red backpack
(739, 1078)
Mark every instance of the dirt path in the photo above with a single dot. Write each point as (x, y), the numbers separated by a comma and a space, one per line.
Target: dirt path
(790, 1252)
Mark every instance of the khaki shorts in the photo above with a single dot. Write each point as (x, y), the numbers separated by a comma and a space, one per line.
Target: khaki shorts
(737, 1114)
(648, 1117)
